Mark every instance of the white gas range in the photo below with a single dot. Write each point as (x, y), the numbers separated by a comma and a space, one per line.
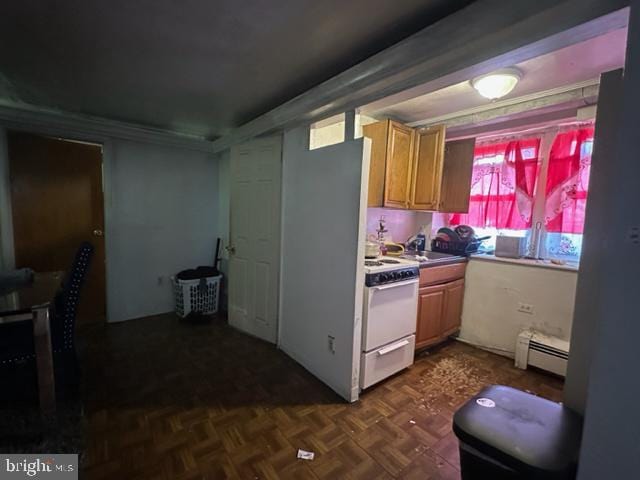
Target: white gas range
(389, 317)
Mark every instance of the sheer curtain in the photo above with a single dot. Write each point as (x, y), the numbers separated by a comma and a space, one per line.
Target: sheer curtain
(503, 185)
(568, 181)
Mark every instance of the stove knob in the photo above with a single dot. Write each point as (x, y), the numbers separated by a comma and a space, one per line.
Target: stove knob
(393, 275)
(384, 277)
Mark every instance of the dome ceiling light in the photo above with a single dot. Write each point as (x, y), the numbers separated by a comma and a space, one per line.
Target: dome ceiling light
(497, 84)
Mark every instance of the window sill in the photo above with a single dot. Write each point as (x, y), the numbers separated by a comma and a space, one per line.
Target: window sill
(526, 262)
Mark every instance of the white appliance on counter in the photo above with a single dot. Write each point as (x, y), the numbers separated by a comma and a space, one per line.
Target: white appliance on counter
(389, 318)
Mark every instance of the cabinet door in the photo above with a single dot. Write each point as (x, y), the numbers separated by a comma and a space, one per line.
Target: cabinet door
(378, 133)
(398, 168)
(456, 176)
(427, 168)
(452, 311)
(430, 310)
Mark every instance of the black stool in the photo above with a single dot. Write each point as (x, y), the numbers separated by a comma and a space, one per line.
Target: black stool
(508, 434)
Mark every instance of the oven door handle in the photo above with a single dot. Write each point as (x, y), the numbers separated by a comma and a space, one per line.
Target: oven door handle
(397, 284)
(391, 348)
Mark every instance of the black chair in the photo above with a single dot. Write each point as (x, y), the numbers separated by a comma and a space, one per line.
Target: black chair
(63, 323)
(16, 339)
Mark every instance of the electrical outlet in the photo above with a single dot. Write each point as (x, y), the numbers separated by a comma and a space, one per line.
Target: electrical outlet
(332, 344)
(525, 308)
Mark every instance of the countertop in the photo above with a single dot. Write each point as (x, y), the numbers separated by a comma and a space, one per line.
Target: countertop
(436, 259)
(527, 262)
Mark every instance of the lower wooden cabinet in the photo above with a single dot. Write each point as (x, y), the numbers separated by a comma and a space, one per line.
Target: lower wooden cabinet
(439, 312)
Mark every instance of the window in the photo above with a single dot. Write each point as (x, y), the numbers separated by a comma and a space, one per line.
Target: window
(506, 196)
(331, 131)
(502, 189)
(566, 194)
(327, 132)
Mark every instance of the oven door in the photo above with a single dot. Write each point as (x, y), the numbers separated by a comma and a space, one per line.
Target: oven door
(390, 313)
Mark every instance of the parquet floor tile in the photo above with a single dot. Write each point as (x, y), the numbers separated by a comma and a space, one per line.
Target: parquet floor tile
(166, 400)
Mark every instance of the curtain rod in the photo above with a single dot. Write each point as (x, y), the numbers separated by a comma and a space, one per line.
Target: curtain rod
(535, 131)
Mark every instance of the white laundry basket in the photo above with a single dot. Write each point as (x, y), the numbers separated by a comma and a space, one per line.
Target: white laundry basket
(199, 296)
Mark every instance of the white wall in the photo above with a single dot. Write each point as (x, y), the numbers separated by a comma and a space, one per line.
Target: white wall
(162, 216)
(323, 227)
(401, 224)
(584, 336)
(611, 438)
(493, 290)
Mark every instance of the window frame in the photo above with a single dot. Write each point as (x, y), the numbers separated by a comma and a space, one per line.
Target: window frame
(537, 235)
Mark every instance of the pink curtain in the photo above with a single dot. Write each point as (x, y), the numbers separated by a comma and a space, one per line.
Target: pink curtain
(568, 181)
(502, 186)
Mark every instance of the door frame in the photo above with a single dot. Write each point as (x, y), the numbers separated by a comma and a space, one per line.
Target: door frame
(7, 247)
(278, 260)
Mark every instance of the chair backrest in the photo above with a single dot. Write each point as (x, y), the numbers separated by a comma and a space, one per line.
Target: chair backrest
(63, 328)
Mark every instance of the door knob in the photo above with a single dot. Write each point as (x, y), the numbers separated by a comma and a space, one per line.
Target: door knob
(230, 249)
(97, 233)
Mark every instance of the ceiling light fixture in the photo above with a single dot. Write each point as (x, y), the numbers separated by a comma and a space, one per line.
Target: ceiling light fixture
(497, 84)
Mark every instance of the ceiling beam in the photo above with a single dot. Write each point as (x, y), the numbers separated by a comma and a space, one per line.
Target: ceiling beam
(486, 35)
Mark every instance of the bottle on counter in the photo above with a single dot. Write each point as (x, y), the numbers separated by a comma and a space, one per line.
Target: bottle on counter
(421, 240)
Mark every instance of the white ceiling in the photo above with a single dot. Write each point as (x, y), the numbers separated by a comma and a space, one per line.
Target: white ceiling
(578, 63)
(201, 67)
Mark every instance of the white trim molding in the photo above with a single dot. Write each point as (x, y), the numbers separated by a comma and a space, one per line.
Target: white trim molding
(45, 121)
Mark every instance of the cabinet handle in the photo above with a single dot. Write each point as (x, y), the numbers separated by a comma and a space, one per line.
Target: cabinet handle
(395, 285)
(391, 348)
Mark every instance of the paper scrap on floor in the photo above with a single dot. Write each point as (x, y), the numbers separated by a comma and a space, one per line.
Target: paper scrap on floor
(304, 455)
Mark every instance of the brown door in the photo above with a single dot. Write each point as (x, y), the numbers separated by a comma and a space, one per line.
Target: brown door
(57, 202)
(398, 167)
(426, 175)
(452, 316)
(430, 309)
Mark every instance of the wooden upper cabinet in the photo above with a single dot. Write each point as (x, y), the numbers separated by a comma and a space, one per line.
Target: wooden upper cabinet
(456, 176)
(415, 169)
(378, 133)
(391, 155)
(398, 168)
(426, 175)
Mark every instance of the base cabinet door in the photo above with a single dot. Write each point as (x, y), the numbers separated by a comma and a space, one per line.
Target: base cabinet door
(452, 314)
(430, 310)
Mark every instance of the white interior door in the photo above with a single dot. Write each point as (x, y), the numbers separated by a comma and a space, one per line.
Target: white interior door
(254, 247)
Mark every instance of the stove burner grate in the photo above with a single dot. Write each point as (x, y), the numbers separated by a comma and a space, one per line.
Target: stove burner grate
(390, 261)
(372, 263)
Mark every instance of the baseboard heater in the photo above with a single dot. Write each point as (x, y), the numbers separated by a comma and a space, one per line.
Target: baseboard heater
(542, 351)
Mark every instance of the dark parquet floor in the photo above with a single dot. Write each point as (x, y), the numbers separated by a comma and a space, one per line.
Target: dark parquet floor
(165, 400)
